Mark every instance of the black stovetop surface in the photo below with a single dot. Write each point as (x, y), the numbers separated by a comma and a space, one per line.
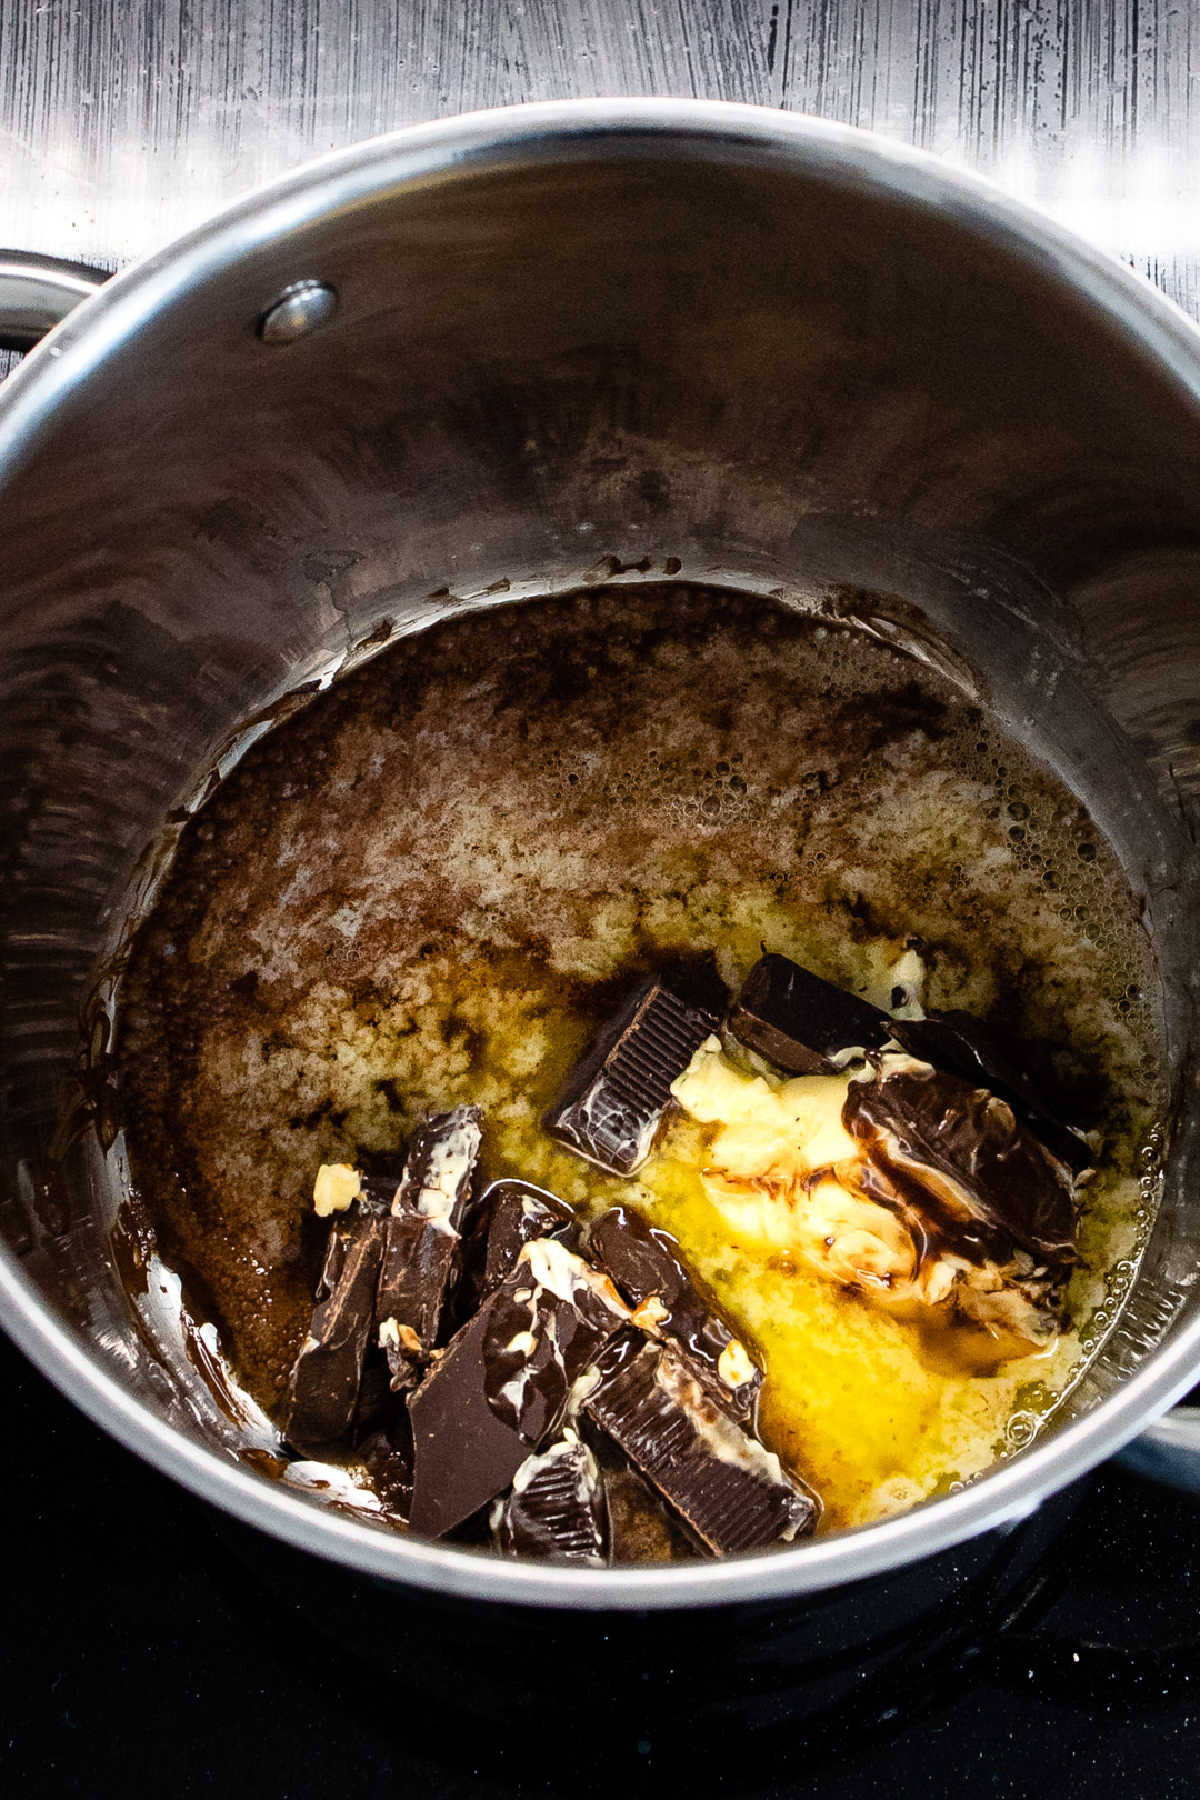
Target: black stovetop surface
(140, 1651)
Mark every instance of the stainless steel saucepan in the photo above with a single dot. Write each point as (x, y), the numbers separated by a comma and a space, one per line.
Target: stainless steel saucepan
(509, 354)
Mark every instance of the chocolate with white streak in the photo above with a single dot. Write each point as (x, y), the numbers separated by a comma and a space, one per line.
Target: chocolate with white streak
(799, 1022)
(556, 1506)
(980, 1179)
(324, 1387)
(421, 1253)
(502, 1385)
(611, 1108)
(646, 1265)
(516, 1212)
(731, 1491)
(963, 1045)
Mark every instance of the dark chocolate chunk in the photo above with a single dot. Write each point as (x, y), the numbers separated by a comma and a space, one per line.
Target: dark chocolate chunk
(731, 1492)
(421, 1253)
(376, 1192)
(547, 1323)
(647, 1267)
(800, 1022)
(555, 1507)
(324, 1387)
(463, 1453)
(515, 1213)
(613, 1103)
(502, 1385)
(958, 1154)
(962, 1045)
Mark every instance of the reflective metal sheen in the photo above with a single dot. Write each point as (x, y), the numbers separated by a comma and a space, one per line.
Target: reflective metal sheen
(300, 309)
(36, 292)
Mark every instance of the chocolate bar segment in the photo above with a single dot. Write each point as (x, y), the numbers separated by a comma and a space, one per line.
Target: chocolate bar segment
(611, 1108)
(377, 1191)
(958, 1154)
(799, 1022)
(962, 1045)
(555, 1507)
(648, 1269)
(421, 1253)
(503, 1384)
(323, 1390)
(731, 1491)
(517, 1212)
(548, 1322)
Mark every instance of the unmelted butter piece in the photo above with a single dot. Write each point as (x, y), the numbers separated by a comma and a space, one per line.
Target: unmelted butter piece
(766, 1131)
(764, 1167)
(908, 975)
(837, 1232)
(758, 1217)
(336, 1188)
(858, 1239)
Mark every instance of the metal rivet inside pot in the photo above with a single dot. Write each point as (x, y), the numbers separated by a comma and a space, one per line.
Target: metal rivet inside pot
(301, 308)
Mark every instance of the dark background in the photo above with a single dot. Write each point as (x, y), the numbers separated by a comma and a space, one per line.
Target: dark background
(144, 1648)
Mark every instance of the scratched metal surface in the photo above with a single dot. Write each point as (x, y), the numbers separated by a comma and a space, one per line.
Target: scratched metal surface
(124, 121)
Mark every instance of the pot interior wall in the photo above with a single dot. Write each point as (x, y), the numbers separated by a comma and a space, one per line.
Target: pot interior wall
(600, 360)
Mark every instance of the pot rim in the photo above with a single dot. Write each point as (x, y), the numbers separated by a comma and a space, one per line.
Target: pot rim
(528, 134)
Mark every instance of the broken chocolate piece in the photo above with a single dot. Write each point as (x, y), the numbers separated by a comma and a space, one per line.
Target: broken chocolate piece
(548, 1322)
(556, 1506)
(421, 1252)
(979, 1179)
(516, 1212)
(646, 1265)
(963, 1045)
(376, 1193)
(324, 1387)
(463, 1454)
(611, 1108)
(727, 1487)
(641, 1526)
(800, 1022)
(504, 1382)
